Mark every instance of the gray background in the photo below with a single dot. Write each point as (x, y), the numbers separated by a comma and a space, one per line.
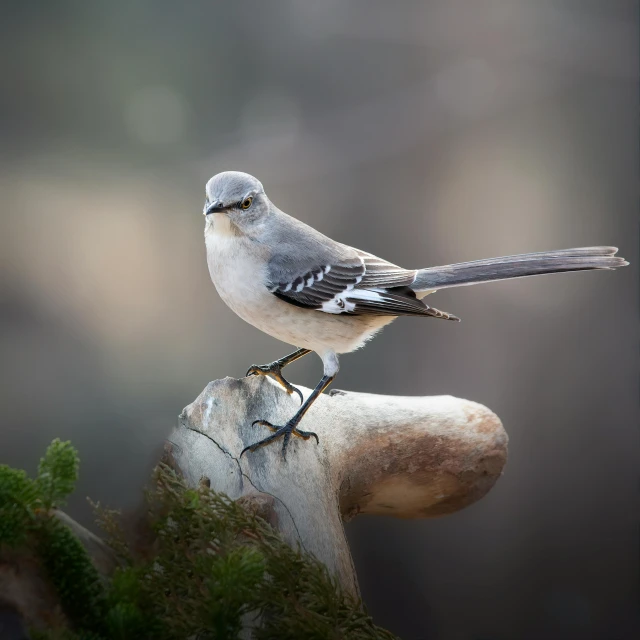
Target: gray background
(426, 132)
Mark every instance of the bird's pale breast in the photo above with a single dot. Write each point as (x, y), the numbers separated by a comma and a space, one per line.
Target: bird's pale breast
(237, 270)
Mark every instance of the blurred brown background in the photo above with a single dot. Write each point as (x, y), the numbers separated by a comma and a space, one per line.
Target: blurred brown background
(425, 132)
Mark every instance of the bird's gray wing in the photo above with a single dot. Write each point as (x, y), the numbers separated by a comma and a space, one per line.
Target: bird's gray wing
(315, 279)
(333, 278)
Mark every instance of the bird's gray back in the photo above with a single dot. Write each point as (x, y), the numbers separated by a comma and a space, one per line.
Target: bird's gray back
(300, 248)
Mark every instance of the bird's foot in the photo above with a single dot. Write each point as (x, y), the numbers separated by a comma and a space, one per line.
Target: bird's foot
(274, 370)
(285, 432)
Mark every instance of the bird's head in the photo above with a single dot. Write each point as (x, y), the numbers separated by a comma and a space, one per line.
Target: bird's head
(237, 198)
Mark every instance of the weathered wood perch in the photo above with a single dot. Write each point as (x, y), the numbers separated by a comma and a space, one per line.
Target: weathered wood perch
(408, 457)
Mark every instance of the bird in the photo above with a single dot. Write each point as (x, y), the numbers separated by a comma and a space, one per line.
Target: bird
(305, 289)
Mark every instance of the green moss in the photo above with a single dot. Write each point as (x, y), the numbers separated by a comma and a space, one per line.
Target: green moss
(57, 474)
(26, 520)
(18, 502)
(73, 575)
(214, 567)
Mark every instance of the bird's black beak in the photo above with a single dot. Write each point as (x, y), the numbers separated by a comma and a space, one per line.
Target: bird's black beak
(213, 208)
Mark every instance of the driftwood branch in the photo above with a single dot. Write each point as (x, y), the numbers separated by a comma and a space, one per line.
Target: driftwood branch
(408, 457)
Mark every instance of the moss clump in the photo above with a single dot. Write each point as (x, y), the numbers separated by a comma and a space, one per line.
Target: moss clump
(18, 504)
(27, 521)
(214, 567)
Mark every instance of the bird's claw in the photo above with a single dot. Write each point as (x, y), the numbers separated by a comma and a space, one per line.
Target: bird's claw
(257, 370)
(274, 370)
(286, 431)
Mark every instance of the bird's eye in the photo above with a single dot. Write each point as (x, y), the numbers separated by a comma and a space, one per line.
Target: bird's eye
(246, 203)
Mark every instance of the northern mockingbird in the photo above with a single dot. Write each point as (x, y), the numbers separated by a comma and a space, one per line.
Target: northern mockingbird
(303, 288)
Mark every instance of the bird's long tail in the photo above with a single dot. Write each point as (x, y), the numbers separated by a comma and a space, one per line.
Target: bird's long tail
(526, 264)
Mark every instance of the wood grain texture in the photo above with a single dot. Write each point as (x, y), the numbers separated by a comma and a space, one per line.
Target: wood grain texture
(408, 457)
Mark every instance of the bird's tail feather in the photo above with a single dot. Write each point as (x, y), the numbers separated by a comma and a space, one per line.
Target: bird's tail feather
(526, 264)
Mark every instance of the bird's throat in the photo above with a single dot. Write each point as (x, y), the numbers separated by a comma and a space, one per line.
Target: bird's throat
(219, 224)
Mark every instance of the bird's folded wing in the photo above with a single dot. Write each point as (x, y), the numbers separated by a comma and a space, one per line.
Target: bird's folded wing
(353, 282)
(318, 287)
